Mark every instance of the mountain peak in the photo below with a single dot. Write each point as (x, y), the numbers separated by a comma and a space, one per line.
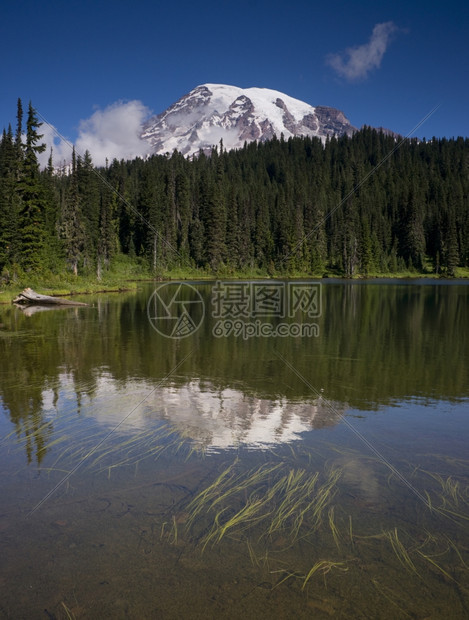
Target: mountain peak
(213, 112)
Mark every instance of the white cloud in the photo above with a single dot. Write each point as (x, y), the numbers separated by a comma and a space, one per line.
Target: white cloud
(113, 132)
(357, 62)
(110, 133)
(61, 151)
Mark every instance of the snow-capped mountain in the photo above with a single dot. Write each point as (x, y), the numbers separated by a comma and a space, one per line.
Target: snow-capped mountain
(214, 112)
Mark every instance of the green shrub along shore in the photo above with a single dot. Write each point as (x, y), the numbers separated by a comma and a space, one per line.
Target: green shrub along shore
(361, 206)
(126, 274)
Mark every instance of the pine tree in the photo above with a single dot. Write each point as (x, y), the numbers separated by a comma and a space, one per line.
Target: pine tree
(89, 195)
(365, 247)
(32, 205)
(350, 238)
(9, 202)
(183, 213)
(107, 230)
(54, 254)
(215, 219)
(71, 227)
(449, 245)
(413, 237)
(19, 134)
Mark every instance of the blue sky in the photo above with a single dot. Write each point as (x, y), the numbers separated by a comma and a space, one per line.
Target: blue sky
(382, 63)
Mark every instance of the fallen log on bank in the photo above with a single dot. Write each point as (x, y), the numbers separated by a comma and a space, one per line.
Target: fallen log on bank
(28, 296)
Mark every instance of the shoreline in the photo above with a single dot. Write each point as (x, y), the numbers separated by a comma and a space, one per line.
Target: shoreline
(8, 293)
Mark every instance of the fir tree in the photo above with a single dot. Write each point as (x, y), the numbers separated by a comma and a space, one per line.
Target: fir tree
(71, 226)
(90, 200)
(32, 199)
(9, 202)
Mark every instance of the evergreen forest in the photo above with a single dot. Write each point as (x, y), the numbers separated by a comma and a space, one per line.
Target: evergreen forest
(354, 206)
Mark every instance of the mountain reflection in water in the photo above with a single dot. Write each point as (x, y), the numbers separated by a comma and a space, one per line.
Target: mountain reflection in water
(212, 418)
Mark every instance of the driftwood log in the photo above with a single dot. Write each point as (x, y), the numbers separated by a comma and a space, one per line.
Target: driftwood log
(28, 296)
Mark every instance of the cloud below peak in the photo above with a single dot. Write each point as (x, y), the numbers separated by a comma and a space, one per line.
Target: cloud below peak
(111, 133)
(114, 132)
(355, 63)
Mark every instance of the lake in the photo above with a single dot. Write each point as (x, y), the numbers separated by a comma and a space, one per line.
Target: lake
(234, 450)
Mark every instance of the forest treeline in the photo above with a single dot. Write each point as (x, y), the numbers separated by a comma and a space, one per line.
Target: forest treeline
(354, 205)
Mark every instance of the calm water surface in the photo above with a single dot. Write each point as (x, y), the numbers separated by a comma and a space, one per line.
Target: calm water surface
(229, 477)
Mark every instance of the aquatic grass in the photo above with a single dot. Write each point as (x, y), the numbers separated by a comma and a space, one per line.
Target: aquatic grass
(199, 451)
(68, 612)
(171, 534)
(324, 566)
(140, 446)
(289, 575)
(458, 553)
(399, 550)
(274, 497)
(430, 559)
(219, 528)
(199, 502)
(382, 591)
(226, 485)
(24, 434)
(430, 538)
(252, 555)
(307, 502)
(174, 531)
(449, 498)
(254, 477)
(333, 528)
(293, 487)
(449, 487)
(459, 463)
(429, 550)
(248, 514)
(68, 439)
(325, 495)
(54, 470)
(454, 515)
(429, 500)
(436, 551)
(351, 530)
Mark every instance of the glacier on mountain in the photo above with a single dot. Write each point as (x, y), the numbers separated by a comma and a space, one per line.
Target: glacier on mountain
(213, 112)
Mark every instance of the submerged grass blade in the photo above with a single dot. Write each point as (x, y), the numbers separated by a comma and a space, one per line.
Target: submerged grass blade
(288, 575)
(252, 554)
(382, 591)
(324, 566)
(455, 548)
(333, 528)
(284, 498)
(429, 559)
(68, 613)
(399, 550)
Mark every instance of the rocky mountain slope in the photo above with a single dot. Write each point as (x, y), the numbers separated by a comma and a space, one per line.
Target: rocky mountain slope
(214, 112)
